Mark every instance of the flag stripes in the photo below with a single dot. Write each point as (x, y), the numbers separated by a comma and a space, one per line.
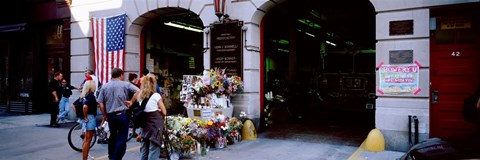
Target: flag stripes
(108, 45)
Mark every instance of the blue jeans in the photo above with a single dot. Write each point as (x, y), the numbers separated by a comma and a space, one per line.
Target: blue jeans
(117, 144)
(63, 108)
(149, 150)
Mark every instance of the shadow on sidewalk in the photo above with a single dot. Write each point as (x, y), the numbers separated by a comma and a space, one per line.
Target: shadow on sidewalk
(62, 125)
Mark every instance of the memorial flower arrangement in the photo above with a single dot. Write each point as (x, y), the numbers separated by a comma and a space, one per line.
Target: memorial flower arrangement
(242, 116)
(216, 82)
(180, 136)
(219, 130)
(234, 125)
(186, 134)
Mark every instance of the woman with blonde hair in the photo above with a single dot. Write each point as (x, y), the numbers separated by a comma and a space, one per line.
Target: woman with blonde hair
(153, 118)
(90, 110)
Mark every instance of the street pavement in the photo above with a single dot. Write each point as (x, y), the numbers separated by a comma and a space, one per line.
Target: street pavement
(29, 137)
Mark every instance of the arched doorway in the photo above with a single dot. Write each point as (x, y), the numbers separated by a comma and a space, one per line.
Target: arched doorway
(320, 58)
(172, 46)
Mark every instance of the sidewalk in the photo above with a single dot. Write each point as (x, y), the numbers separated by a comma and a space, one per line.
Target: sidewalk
(275, 149)
(263, 148)
(10, 120)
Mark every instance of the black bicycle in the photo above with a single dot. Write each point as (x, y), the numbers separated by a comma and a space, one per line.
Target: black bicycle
(77, 134)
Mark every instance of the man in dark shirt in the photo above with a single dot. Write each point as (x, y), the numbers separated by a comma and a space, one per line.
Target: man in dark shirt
(55, 94)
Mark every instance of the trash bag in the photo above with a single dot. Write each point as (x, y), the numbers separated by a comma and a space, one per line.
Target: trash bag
(470, 112)
(431, 149)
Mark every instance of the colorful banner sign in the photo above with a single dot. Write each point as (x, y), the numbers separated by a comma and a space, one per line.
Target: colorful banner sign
(398, 79)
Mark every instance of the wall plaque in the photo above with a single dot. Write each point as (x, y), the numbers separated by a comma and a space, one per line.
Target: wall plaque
(226, 47)
(401, 57)
(404, 27)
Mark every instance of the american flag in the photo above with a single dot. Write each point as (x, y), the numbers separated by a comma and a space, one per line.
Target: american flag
(109, 45)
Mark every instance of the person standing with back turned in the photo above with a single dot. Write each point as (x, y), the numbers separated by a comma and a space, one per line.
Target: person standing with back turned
(90, 111)
(153, 121)
(113, 102)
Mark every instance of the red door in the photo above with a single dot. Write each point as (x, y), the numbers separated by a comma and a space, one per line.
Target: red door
(454, 76)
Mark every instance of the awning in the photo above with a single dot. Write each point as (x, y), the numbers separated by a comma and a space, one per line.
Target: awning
(13, 27)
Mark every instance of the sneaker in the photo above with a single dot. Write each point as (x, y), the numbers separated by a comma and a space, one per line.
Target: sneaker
(57, 120)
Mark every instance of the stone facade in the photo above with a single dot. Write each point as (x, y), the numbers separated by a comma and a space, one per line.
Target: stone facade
(391, 111)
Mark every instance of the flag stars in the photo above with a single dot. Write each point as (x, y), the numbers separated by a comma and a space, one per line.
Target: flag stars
(115, 28)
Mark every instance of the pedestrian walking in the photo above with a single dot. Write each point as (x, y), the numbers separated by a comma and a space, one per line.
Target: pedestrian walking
(66, 91)
(90, 110)
(113, 104)
(55, 94)
(153, 117)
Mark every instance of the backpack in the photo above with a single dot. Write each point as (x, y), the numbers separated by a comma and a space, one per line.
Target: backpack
(78, 104)
(137, 112)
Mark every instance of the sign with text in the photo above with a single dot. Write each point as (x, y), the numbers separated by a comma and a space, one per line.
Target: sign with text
(353, 83)
(401, 57)
(456, 22)
(226, 47)
(397, 79)
(404, 27)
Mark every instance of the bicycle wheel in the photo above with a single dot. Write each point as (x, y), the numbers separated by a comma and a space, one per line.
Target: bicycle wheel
(131, 130)
(76, 135)
(167, 148)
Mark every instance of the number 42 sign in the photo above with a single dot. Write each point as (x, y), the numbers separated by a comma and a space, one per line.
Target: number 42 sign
(456, 54)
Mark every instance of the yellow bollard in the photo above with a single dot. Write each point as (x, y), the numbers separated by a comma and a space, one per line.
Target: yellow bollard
(375, 141)
(248, 131)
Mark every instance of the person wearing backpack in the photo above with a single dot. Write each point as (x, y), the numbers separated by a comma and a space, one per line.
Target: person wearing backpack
(90, 110)
(152, 118)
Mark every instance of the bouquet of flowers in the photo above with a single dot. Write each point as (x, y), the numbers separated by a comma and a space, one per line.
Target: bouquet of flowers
(216, 131)
(234, 125)
(180, 136)
(243, 116)
(216, 81)
(186, 135)
(212, 89)
(200, 133)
